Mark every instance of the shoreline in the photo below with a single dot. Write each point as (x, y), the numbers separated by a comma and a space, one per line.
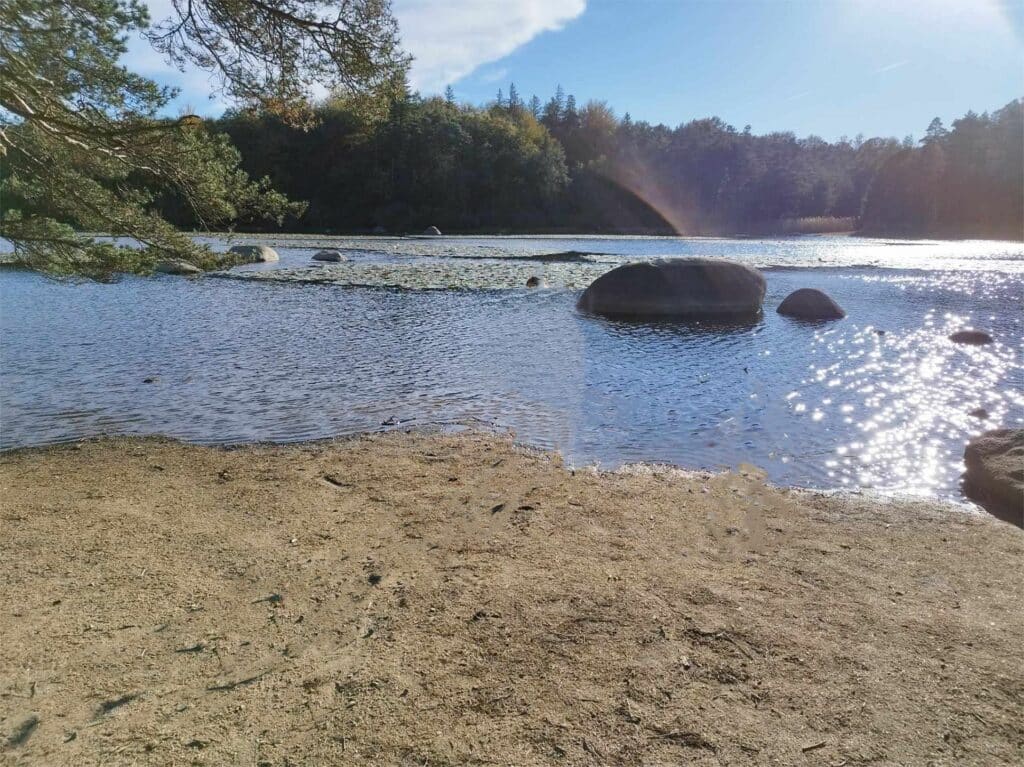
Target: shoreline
(457, 598)
(962, 504)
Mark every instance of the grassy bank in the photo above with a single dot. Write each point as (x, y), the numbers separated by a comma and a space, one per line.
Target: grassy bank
(445, 600)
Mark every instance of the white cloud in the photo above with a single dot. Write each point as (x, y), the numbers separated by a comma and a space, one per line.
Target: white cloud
(448, 38)
(451, 38)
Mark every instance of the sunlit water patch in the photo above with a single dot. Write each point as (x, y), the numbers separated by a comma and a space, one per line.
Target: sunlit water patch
(298, 351)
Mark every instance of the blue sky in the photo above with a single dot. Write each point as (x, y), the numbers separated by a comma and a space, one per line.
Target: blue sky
(827, 67)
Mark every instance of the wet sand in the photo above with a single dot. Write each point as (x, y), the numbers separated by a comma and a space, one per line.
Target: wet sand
(444, 600)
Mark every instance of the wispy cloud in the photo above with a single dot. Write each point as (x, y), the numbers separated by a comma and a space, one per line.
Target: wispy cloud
(493, 75)
(450, 39)
(890, 67)
(800, 95)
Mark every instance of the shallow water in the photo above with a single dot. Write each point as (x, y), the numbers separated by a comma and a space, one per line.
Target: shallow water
(420, 331)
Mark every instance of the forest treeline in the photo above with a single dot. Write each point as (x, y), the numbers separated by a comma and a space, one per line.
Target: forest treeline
(516, 165)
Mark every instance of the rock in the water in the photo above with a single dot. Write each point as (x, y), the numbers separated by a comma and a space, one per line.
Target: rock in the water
(677, 287)
(330, 255)
(255, 254)
(810, 304)
(535, 282)
(971, 337)
(432, 230)
(176, 266)
(995, 473)
(979, 412)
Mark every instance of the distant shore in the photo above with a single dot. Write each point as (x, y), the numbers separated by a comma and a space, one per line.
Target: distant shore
(410, 598)
(644, 232)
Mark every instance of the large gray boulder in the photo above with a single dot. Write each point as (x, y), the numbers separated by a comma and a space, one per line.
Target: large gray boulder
(995, 473)
(810, 304)
(330, 255)
(677, 287)
(255, 254)
(176, 266)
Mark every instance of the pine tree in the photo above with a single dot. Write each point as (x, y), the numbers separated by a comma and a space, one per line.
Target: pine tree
(85, 146)
(535, 106)
(513, 98)
(936, 131)
(449, 95)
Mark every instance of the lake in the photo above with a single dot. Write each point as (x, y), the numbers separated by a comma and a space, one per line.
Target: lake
(442, 331)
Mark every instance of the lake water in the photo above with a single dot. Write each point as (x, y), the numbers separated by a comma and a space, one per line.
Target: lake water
(417, 332)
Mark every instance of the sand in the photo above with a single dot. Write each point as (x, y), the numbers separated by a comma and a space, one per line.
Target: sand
(448, 600)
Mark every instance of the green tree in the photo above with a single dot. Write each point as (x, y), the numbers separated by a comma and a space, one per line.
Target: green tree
(86, 148)
(514, 104)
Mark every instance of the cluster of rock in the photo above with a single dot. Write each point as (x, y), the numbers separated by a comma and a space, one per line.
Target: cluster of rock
(246, 254)
(701, 288)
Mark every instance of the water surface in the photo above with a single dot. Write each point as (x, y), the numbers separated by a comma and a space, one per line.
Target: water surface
(420, 331)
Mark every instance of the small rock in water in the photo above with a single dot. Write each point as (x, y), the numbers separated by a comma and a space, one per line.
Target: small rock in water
(979, 412)
(433, 231)
(255, 253)
(150, 379)
(176, 266)
(971, 337)
(330, 255)
(535, 282)
(810, 304)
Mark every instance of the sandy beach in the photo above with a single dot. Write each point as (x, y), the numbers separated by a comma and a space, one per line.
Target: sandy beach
(413, 599)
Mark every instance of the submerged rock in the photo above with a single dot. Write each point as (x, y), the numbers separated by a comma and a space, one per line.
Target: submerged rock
(432, 231)
(535, 282)
(176, 266)
(995, 473)
(979, 412)
(565, 257)
(677, 287)
(971, 337)
(810, 304)
(255, 254)
(330, 255)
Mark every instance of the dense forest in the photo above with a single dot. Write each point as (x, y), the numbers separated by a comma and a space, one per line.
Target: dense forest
(524, 165)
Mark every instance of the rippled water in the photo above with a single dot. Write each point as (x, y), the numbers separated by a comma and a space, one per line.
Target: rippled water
(421, 331)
